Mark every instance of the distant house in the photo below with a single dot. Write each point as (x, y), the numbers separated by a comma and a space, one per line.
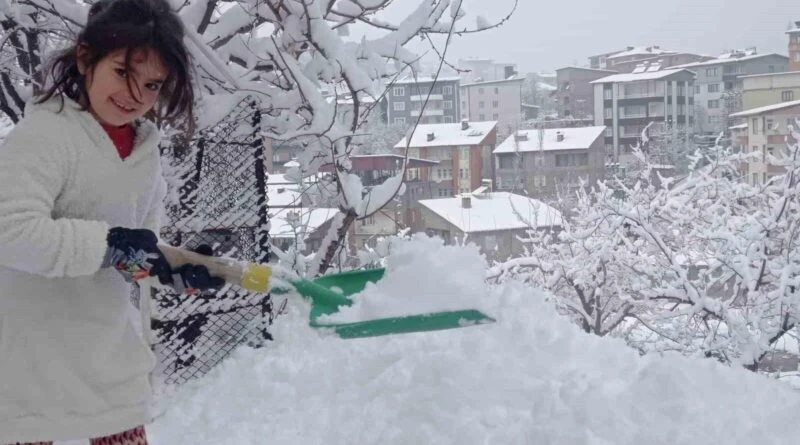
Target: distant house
(400, 213)
(767, 134)
(629, 103)
(287, 226)
(491, 220)
(463, 151)
(719, 82)
(496, 100)
(575, 94)
(406, 96)
(550, 160)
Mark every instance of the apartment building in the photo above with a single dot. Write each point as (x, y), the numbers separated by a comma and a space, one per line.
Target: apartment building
(463, 151)
(718, 85)
(626, 60)
(664, 60)
(406, 97)
(768, 89)
(498, 100)
(767, 133)
(794, 47)
(627, 103)
(543, 162)
(575, 92)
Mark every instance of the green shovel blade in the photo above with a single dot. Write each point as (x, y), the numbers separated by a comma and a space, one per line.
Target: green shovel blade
(329, 292)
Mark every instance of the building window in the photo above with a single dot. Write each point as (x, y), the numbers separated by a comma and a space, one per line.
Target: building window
(448, 119)
(787, 96)
(713, 88)
(460, 173)
(608, 94)
(538, 160)
(713, 104)
(712, 72)
(399, 106)
(481, 117)
(495, 104)
(398, 91)
(447, 89)
(495, 116)
(480, 90)
(496, 90)
(572, 160)
(769, 125)
(754, 125)
(697, 89)
(463, 152)
(481, 104)
(400, 120)
(609, 132)
(447, 105)
(607, 114)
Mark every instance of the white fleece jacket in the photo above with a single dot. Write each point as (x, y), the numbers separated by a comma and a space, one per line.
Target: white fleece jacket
(72, 361)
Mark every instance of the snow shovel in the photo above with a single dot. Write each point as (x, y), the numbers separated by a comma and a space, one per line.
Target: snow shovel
(327, 294)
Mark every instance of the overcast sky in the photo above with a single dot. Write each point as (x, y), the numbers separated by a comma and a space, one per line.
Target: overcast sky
(544, 35)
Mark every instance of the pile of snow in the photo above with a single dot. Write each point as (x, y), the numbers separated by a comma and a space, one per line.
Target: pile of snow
(419, 279)
(530, 378)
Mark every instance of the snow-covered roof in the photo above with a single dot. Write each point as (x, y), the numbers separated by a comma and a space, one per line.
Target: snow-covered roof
(495, 211)
(426, 79)
(795, 29)
(587, 69)
(634, 77)
(284, 195)
(738, 127)
(546, 86)
(579, 138)
(766, 109)
(449, 134)
(639, 50)
(281, 228)
(512, 79)
(726, 59)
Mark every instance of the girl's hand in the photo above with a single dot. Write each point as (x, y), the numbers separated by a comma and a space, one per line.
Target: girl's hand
(191, 279)
(135, 254)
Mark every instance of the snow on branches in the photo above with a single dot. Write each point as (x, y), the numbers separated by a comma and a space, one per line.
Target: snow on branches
(706, 264)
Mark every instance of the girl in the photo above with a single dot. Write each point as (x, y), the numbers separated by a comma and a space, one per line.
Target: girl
(81, 191)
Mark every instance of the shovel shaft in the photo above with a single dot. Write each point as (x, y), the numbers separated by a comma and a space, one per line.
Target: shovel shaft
(250, 276)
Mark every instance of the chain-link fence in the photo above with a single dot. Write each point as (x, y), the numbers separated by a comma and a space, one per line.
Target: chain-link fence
(217, 196)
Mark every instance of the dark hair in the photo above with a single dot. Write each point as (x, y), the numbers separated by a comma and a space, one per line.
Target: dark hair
(129, 25)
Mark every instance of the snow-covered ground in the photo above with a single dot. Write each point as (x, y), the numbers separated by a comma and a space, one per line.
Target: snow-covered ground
(530, 378)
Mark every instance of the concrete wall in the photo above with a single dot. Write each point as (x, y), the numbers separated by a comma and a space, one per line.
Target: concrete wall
(765, 90)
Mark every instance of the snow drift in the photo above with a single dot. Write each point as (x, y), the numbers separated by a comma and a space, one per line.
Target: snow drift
(530, 378)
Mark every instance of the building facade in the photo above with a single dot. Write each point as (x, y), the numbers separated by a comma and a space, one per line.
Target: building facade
(769, 89)
(405, 99)
(628, 103)
(463, 152)
(499, 100)
(575, 93)
(543, 162)
(718, 86)
(767, 133)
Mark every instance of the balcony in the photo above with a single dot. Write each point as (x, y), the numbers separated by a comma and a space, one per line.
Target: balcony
(421, 98)
(428, 112)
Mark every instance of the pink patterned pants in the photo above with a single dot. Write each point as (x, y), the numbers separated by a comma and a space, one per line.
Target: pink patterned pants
(135, 436)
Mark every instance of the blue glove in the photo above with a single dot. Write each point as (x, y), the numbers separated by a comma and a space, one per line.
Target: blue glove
(135, 254)
(191, 279)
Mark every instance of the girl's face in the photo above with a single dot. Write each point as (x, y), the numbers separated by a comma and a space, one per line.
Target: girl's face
(111, 100)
